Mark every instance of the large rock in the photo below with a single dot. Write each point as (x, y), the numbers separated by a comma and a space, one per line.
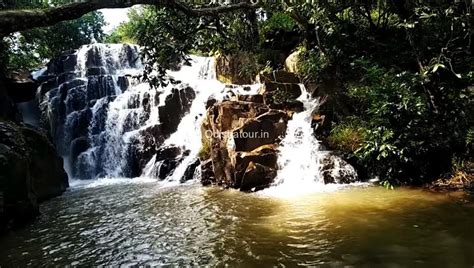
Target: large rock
(334, 169)
(257, 177)
(237, 134)
(8, 108)
(292, 62)
(177, 104)
(267, 128)
(20, 87)
(30, 172)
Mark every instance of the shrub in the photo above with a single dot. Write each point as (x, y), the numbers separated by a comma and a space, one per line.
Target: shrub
(347, 137)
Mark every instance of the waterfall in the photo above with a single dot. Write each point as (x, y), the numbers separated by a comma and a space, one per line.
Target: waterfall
(107, 124)
(301, 157)
(188, 135)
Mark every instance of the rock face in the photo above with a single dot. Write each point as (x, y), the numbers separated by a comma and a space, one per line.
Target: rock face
(334, 169)
(460, 181)
(8, 109)
(241, 138)
(102, 120)
(20, 87)
(241, 135)
(30, 172)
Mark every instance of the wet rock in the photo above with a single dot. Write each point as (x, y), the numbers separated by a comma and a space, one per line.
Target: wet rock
(143, 148)
(123, 83)
(334, 169)
(168, 152)
(207, 173)
(251, 98)
(265, 155)
(177, 104)
(78, 146)
(64, 77)
(65, 63)
(257, 177)
(166, 167)
(268, 128)
(46, 167)
(211, 101)
(96, 71)
(237, 133)
(30, 172)
(190, 170)
(100, 86)
(48, 85)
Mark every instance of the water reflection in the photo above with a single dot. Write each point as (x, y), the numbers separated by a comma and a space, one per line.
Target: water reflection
(144, 223)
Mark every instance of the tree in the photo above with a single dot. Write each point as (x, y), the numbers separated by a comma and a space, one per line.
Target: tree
(19, 20)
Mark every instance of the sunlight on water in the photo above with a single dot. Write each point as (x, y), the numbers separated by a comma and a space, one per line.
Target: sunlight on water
(143, 223)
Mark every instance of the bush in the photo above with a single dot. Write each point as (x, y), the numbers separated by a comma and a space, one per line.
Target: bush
(347, 137)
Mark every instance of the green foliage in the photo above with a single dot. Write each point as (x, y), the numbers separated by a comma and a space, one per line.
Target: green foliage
(348, 136)
(387, 185)
(406, 139)
(278, 21)
(205, 151)
(29, 49)
(311, 64)
(128, 32)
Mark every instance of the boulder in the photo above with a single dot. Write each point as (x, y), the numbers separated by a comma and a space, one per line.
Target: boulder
(46, 166)
(334, 169)
(257, 177)
(292, 61)
(267, 128)
(30, 172)
(123, 83)
(207, 173)
(190, 170)
(265, 155)
(238, 133)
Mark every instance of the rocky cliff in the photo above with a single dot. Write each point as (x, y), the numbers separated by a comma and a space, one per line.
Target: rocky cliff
(30, 172)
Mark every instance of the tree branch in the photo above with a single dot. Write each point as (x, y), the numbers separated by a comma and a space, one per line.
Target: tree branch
(19, 20)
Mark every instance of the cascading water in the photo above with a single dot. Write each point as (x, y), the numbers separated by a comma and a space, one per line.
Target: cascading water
(188, 135)
(301, 157)
(106, 124)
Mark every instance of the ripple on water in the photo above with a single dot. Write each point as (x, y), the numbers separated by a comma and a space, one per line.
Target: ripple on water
(140, 222)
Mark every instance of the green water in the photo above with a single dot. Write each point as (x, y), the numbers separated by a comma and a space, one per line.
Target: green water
(146, 224)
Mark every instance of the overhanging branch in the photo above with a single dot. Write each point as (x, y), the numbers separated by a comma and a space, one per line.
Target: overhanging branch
(19, 20)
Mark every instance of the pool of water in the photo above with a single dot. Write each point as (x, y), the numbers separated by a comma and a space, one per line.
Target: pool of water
(140, 223)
